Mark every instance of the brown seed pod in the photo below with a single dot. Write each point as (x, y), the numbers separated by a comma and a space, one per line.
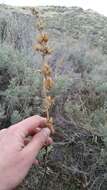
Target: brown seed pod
(35, 12)
(46, 70)
(42, 38)
(47, 50)
(38, 47)
(48, 83)
(48, 102)
(45, 38)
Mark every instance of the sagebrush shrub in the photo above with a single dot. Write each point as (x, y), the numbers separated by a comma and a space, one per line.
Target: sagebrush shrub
(20, 86)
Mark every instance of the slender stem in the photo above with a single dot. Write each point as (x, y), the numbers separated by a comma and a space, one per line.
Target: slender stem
(44, 88)
(47, 112)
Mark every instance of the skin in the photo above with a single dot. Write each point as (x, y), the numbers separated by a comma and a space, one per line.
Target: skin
(19, 146)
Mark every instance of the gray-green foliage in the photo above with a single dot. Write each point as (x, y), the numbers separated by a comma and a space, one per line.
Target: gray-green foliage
(1, 111)
(20, 85)
(15, 117)
(62, 82)
(88, 108)
(23, 97)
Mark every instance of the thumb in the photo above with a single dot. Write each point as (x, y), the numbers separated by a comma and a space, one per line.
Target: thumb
(38, 141)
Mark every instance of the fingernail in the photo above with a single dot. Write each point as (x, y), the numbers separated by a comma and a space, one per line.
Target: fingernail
(46, 131)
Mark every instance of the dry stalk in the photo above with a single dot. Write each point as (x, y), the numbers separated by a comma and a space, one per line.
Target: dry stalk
(42, 47)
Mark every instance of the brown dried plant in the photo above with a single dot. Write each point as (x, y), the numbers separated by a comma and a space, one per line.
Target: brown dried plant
(42, 47)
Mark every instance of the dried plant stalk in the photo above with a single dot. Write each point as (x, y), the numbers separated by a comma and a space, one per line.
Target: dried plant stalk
(42, 47)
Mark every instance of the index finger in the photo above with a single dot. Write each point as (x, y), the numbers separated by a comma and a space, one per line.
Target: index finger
(29, 125)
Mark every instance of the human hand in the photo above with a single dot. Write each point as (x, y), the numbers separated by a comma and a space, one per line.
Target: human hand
(17, 154)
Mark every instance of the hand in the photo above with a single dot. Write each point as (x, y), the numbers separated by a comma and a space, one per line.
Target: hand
(17, 153)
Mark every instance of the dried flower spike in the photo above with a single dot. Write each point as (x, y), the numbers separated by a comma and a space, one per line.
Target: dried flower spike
(46, 71)
(42, 38)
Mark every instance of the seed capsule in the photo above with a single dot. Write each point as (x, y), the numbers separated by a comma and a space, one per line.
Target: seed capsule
(46, 70)
(48, 83)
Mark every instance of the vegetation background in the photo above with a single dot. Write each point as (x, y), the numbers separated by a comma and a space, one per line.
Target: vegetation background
(78, 158)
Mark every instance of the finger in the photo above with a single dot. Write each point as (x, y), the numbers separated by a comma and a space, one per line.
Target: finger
(3, 132)
(36, 162)
(29, 125)
(32, 132)
(27, 140)
(49, 141)
(36, 144)
(29, 137)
